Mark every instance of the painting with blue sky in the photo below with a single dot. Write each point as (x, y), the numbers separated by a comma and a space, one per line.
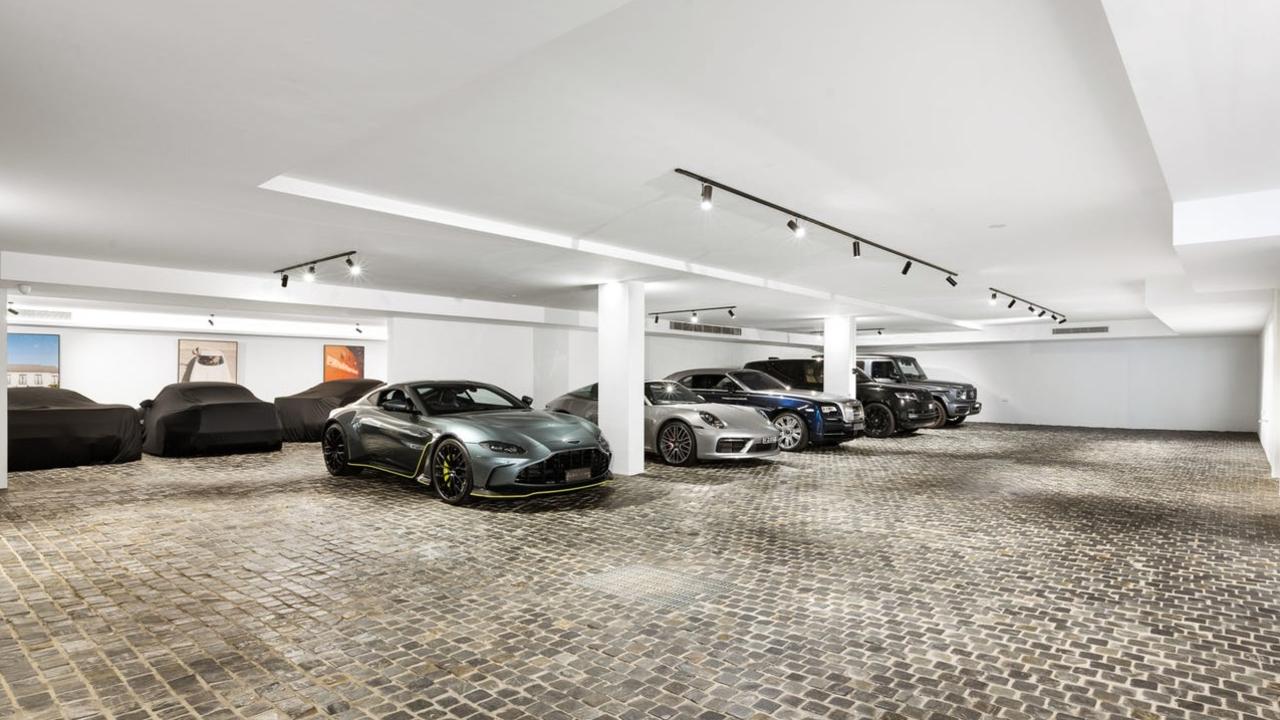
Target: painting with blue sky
(30, 350)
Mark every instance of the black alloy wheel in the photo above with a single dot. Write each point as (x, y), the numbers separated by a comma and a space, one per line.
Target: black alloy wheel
(880, 422)
(677, 445)
(451, 472)
(336, 457)
(942, 414)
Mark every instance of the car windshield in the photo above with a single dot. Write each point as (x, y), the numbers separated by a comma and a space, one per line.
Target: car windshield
(756, 380)
(450, 398)
(669, 393)
(863, 378)
(910, 370)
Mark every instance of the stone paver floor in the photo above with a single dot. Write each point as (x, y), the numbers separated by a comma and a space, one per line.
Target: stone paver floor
(986, 571)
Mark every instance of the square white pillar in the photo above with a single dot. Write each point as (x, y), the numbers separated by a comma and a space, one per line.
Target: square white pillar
(4, 397)
(839, 348)
(620, 405)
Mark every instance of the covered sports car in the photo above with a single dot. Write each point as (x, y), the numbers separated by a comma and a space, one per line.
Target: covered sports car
(208, 418)
(466, 439)
(682, 428)
(52, 427)
(302, 416)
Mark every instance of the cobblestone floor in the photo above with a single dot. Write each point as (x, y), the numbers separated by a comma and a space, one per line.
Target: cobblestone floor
(980, 572)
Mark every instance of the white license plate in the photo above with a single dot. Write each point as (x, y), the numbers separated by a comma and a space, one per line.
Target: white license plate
(577, 474)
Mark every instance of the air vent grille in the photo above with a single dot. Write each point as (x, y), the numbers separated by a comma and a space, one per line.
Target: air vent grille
(1082, 330)
(704, 328)
(45, 314)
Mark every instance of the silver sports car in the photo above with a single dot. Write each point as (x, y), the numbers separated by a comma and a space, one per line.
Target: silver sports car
(682, 428)
(466, 439)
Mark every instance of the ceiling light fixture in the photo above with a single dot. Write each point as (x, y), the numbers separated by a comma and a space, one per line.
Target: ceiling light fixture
(857, 249)
(1031, 307)
(906, 268)
(210, 319)
(798, 221)
(693, 312)
(14, 312)
(951, 281)
(358, 329)
(354, 268)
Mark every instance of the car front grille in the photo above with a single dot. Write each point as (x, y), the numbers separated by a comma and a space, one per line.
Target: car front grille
(552, 470)
(737, 445)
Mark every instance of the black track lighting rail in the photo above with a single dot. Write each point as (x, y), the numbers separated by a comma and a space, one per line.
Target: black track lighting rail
(816, 223)
(694, 310)
(317, 261)
(1015, 299)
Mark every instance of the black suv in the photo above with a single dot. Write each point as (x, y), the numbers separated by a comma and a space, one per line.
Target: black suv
(889, 408)
(956, 401)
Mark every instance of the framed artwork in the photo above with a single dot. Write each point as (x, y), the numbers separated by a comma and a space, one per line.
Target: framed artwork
(343, 362)
(35, 360)
(208, 361)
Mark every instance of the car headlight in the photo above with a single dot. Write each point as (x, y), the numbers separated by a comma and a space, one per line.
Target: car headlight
(830, 409)
(604, 444)
(906, 396)
(711, 420)
(502, 447)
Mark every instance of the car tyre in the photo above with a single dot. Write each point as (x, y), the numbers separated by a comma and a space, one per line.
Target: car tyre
(793, 434)
(337, 453)
(677, 444)
(942, 414)
(451, 472)
(880, 421)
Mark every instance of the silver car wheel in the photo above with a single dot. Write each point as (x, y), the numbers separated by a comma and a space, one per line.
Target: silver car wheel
(789, 431)
(675, 444)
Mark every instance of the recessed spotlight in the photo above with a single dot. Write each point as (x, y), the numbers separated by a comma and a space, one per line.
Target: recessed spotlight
(706, 197)
(906, 268)
(951, 281)
(310, 275)
(796, 228)
(992, 301)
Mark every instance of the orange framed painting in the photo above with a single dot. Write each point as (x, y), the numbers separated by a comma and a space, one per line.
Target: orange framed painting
(343, 362)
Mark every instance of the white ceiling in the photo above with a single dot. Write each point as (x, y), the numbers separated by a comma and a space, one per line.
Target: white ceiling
(144, 137)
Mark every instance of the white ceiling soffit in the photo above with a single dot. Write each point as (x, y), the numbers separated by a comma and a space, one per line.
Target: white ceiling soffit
(1186, 311)
(997, 138)
(1207, 77)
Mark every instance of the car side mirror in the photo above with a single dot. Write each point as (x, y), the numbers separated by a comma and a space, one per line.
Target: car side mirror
(528, 401)
(398, 405)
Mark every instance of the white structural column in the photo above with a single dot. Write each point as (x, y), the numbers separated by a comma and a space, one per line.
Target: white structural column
(621, 366)
(839, 347)
(4, 396)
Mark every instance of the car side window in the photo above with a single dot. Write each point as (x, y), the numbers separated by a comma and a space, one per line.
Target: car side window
(708, 382)
(392, 394)
(882, 369)
(812, 373)
(726, 384)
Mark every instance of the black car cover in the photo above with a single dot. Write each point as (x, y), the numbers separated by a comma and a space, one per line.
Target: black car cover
(205, 418)
(52, 427)
(302, 416)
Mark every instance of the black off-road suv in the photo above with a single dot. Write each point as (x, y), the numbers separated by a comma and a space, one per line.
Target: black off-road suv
(889, 408)
(956, 401)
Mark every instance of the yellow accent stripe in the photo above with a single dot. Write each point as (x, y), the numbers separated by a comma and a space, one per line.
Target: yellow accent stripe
(503, 496)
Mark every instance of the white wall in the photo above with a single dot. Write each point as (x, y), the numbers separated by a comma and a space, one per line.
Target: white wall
(1176, 383)
(544, 362)
(118, 366)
